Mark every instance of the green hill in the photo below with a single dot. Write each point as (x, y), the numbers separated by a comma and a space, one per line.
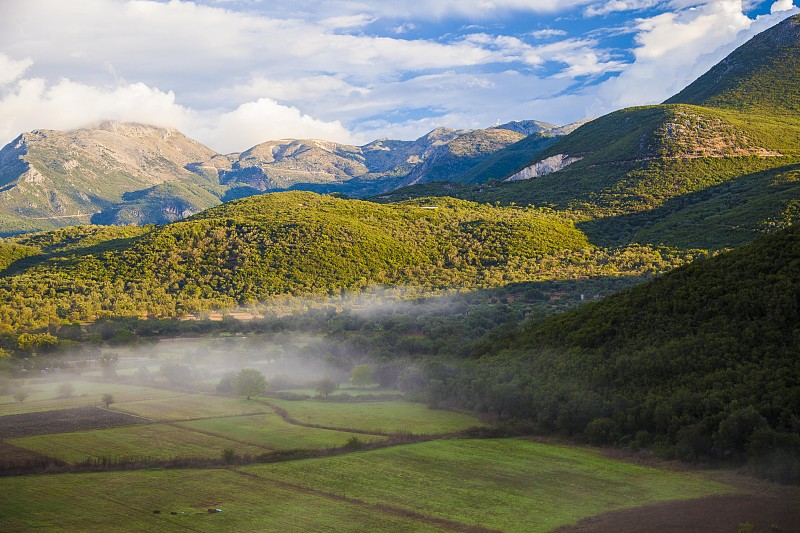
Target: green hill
(700, 363)
(761, 76)
(247, 250)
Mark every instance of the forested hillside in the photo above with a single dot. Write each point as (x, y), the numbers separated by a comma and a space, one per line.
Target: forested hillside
(701, 363)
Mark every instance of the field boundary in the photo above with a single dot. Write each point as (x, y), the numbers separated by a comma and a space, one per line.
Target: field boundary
(451, 525)
(283, 413)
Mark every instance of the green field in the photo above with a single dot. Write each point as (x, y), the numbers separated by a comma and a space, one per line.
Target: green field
(514, 485)
(125, 501)
(351, 391)
(190, 406)
(510, 484)
(44, 396)
(271, 431)
(154, 441)
(388, 417)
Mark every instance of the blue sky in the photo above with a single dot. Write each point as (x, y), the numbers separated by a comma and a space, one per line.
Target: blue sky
(233, 73)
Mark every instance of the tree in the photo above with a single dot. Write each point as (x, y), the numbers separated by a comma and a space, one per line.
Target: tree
(66, 390)
(108, 362)
(227, 384)
(361, 376)
(325, 386)
(34, 342)
(250, 382)
(107, 399)
(20, 395)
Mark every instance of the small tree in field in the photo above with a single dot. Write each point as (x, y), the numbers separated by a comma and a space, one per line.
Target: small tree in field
(326, 386)
(250, 382)
(361, 376)
(107, 399)
(20, 395)
(66, 390)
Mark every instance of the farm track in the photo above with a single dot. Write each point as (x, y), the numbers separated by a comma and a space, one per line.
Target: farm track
(449, 525)
(280, 411)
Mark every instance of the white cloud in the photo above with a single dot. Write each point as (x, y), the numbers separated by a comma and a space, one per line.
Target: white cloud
(32, 104)
(265, 119)
(781, 5)
(12, 69)
(348, 21)
(438, 9)
(675, 48)
(544, 34)
(605, 8)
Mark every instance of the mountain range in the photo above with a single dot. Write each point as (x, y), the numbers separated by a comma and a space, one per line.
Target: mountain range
(117, 173)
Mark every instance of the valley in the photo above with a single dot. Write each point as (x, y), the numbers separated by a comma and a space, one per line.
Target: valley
(526, 327)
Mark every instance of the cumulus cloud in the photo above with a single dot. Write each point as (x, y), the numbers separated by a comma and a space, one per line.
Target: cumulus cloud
(265, 119)
(781, 5)
(675, 48)
(12, 69)
(32, 103)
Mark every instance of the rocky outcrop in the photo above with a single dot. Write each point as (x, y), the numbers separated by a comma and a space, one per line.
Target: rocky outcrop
(544, 167)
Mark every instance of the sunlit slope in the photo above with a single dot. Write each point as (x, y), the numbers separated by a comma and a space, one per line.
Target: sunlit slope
(285, 243)
(52, 179)
(761, 76)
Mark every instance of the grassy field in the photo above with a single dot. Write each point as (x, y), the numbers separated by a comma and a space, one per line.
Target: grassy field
(125, 501)
(156, 441)
(514, 485)
(190, 406)
(388, 417)
(511, 484)
(271, 431)
(351, 391)
(44, 396)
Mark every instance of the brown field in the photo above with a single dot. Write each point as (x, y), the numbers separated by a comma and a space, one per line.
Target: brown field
(713, 514)
(63, 421)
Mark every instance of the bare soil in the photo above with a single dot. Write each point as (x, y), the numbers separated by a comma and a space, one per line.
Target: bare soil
(760, 506)
(63, 421)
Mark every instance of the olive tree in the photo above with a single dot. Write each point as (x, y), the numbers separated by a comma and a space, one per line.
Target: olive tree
(250, 382)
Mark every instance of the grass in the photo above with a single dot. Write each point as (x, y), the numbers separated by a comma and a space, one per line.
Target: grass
(44, 396)
(271, 431)
(125, 501)
(389, 417)
(512, 484)
(155, 441)
(354, 391)
(190, 406)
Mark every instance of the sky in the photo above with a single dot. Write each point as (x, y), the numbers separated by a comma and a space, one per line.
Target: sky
(235, 73)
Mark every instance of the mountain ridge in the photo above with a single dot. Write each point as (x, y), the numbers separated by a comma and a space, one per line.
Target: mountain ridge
(130, 173)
